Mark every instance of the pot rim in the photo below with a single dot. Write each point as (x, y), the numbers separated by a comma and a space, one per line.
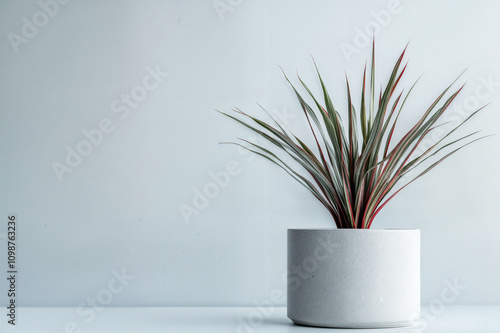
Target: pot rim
(352, 229)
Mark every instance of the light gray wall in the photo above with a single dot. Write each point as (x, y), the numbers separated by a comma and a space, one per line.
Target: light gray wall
(119, 207)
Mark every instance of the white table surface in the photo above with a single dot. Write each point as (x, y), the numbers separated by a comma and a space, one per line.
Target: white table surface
(450, 319)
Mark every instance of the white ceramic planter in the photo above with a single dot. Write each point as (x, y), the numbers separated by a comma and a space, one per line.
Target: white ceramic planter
(354, 278)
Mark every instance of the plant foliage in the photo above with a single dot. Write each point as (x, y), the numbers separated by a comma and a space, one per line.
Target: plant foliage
(356, 168)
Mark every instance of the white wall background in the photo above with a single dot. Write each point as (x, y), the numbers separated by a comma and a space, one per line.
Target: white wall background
(120, 207)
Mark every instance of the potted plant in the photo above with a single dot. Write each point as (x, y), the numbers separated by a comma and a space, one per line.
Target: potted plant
(353, 276)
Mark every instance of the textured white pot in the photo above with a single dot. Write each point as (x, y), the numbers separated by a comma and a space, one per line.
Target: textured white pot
(354, 278)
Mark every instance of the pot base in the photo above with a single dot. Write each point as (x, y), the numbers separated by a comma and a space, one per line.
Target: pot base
(355, 325)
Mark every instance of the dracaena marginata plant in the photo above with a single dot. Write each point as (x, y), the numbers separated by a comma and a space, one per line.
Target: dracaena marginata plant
(355, 169)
